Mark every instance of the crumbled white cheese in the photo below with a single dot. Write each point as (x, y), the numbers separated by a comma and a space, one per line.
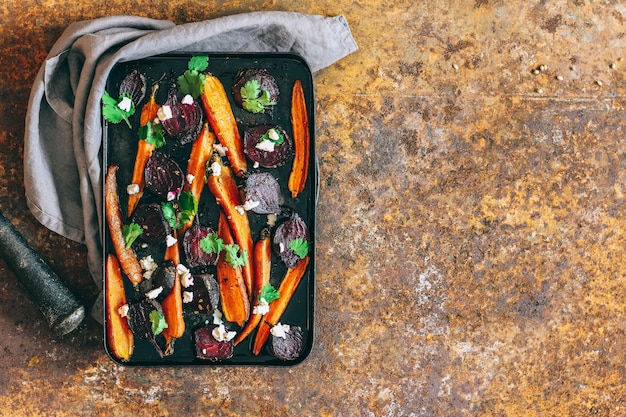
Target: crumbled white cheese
(273, 134)
(250, 204)
(187, 297)
(216, 169)
(262, 308)
(256, 164)
(265, 145)
(217, 317)
(171, 196)
(240, 209)
(187, 99)
(152, 294)
(148, 265)
(170, 241)
(126, 104)
(164, 112)
(281, 247)
(123, 310)
(222, 335)
(190, 178)
(132, 189)
(271, 220)
(220, 149)
(186, 279)
(280, 330)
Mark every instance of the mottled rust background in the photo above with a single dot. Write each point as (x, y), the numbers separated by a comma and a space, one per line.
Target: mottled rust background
(471, 248)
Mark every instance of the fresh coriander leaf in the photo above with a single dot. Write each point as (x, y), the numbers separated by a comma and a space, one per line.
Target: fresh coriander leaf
(198, 63)
(300, 247)
(255, 100)
(251, 90)
(130, 232)
(269, 293)
(158, 322)
(169, 214)
(111, 110)
(211, 243)
(153, 134)
(253, 106)
(187, 203)
(273, 135)
(234, 257)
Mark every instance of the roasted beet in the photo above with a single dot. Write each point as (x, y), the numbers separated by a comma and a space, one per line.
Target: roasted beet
(267, 145)
(150, 218)
(163, 278)
(255, 90)
(287, 232)
(140, 322)
(262, 193)
(181, 118)
(290, 346)
(163, 176)
(134, 84)
(206, 293)
(207, 347)
(195, 255)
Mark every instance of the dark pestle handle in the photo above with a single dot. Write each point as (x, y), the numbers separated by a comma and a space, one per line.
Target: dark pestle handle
(59, 306)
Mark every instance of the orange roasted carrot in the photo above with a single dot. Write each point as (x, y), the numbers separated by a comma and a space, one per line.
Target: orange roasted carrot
(262, 259)
(287, 288)
(173, 304)
(222, 184)
(301, 141)
(120, 339)
(220, 115)
(126, 256)
(233, 293)
(201, 151)
(144, 150)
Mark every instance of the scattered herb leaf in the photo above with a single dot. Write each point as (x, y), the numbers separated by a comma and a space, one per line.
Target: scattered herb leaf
(111, 110)
(211, 243)
(158, 322)
(255, 100)
(187, 208)
(234, 256)
(269, 293)
(130, 232)
(300, 247)
(152, 133)
(192, 80)
(268, 136)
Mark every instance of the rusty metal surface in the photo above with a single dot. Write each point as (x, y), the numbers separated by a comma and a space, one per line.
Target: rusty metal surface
(472, 248)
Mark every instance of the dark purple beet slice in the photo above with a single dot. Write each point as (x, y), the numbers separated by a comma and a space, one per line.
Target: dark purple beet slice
(206, 293)
(290, 347)
(264, 158)
(289, 230)
(150, 218)
(196, 256)
(209, 348)
(134, 84)
(263, 188)
(186, 120)
(267, 82)
(163, 176)
(164, 277)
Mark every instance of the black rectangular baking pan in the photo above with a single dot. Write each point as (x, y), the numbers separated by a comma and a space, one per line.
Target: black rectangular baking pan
(120, 145)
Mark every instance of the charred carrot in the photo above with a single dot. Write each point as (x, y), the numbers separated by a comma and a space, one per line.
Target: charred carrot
(144, 150)
(233, 293)
(301, 141)
(120, 339)
(201, 151)
(287, 288)
(222, 184)
(126, 256)
(173, 304)
(262, 259)
(220, 115)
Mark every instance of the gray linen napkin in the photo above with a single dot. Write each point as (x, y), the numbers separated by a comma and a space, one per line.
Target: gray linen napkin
(63, 138)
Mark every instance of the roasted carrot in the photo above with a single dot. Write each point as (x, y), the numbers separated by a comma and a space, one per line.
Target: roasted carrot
(233, 293)
(287, 288)
(144, 150)
(301, 141)
(222, 184)
(126, 256)
(262, 259)
(220, 115)
(120, 339)
(201, 151)
(173, 304)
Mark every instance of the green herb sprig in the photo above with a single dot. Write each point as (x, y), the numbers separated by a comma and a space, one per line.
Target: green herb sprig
(111, 110)
(192, 80)
(254, 99)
